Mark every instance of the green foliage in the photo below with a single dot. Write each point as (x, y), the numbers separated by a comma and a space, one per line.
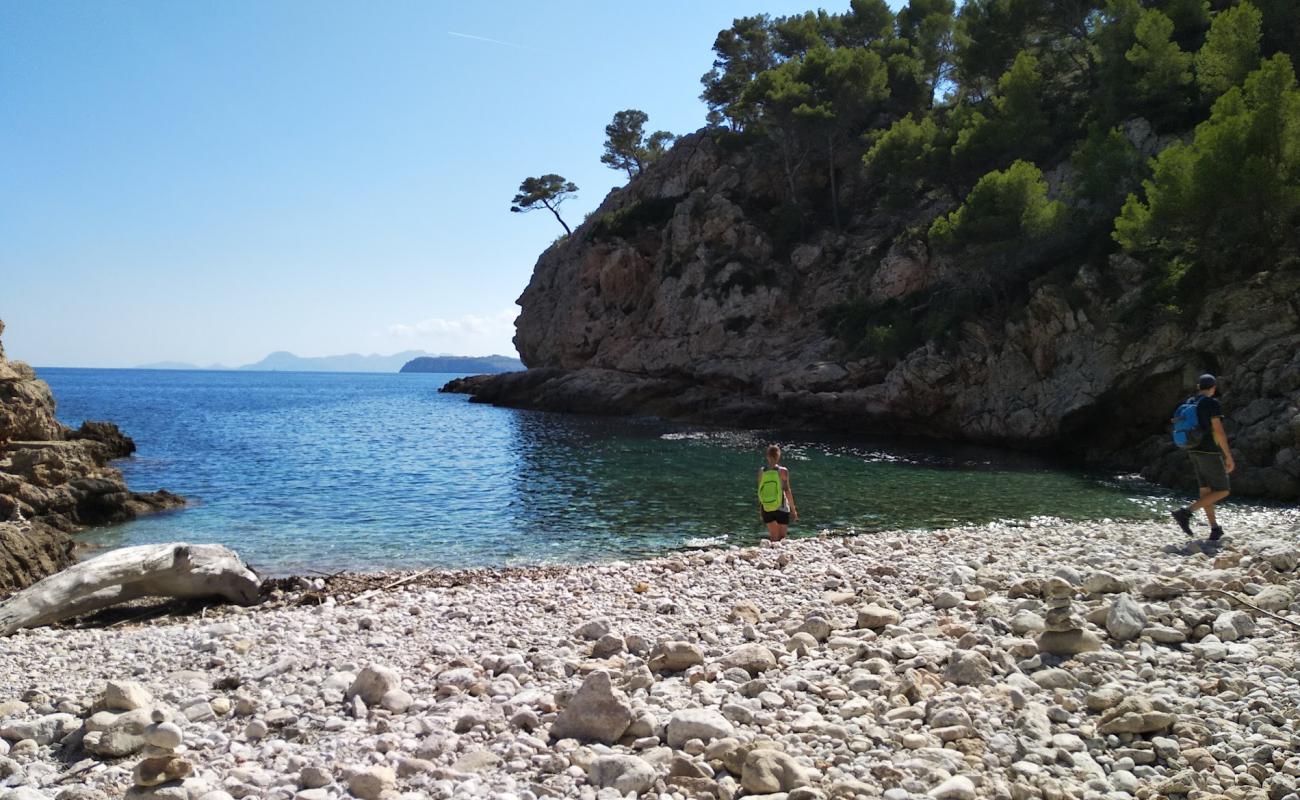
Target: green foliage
(1016, 124)
(1231, 198)
(1005, 209)
(626, 222)
(1231, 50)
(927, 27)
(626, 145)
(1164, 71)
(904, 156)
(548, 192)
(742, 53)
(1109, 168)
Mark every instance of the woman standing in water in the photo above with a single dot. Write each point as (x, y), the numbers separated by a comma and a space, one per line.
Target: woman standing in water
(775, 500)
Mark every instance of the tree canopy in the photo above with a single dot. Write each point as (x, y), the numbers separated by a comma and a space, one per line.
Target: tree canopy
(627, 147)
(548, 192)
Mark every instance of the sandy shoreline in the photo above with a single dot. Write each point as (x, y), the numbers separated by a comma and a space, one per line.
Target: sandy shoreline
(898, 665)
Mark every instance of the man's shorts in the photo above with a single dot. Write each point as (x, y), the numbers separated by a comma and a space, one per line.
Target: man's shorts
(779, 517)
(1210, 472)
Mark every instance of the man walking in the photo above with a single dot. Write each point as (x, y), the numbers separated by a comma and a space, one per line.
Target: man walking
(1211, 459)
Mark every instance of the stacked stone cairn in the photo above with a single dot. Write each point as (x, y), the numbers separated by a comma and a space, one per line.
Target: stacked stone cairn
(1064, 633)
(161, 772)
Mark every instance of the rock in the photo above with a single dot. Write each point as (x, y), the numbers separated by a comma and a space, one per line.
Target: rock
(371, 782)
(753, 658)
(1104, 583)
(745, 611)
(396, 701)
(1068, 643)
(43, 730)
(958, 787)
(314, 777)
(166, 735)
(159, 770)
(597, 713)
(373, 682)
(968, 668)
(1126, 619)
(675, 656)
(1281, 555)
(124, 696)
(22, 793)
(1026, 622)
(876, 617)
(593, 629)
(622, 772)
(947, 599)
(1232, 625)
(1273, 598)
(767, 771)
(697, 723)
(1135, 714)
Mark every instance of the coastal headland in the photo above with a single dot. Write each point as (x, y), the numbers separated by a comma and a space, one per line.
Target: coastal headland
(1041, 659)
(54, 480)
(678, 298)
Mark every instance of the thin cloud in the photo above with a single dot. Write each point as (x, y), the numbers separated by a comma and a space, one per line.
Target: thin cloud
(467, 325)
(488, 40)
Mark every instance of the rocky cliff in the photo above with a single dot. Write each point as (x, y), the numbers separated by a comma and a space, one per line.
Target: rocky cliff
(54, 480)
(685, 296)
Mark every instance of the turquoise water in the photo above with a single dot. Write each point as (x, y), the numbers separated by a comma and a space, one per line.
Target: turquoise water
(310, 471)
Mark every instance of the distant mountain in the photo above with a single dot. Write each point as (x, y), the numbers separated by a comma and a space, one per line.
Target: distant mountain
(282, 361)
(464, 364)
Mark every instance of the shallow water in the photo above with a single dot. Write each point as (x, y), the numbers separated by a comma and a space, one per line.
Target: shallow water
(320, 471)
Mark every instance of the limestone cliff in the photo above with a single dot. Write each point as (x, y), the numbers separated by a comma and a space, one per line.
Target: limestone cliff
(53, 480)
(683, 296)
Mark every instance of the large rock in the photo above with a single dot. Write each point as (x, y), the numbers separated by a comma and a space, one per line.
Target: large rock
(1136, 714)
(622, 772)
(1068, 643)
(55, 481)
(697, 723)
(374, 682)
(876, 617)
(770, 771)
(968, 668)
(753, 658)
(675, 656)
(1125, 619)
(597, 713)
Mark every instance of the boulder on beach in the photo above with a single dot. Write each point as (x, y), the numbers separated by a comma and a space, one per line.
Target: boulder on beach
(597, 713)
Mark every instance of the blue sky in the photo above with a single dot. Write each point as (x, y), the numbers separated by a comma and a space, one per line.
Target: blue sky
(208, 182)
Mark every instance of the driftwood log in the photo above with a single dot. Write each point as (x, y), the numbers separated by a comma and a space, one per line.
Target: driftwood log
(157, 570)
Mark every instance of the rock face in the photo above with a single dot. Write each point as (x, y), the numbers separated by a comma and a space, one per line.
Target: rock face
(681, 296)
(55, 480)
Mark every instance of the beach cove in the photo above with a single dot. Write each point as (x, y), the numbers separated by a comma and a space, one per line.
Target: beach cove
(907, 664)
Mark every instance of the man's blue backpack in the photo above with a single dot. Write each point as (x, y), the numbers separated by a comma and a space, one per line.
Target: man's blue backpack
(1187, 424)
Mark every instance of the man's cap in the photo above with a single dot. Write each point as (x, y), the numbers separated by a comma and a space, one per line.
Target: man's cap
(1207, 381)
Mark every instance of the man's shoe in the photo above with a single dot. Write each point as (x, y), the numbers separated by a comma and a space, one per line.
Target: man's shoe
(1183, 517)
(1216, 533)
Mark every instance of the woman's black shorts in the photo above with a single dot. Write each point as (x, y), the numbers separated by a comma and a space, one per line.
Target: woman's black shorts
(780, 517)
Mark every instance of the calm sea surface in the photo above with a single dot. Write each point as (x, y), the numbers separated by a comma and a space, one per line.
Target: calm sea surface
(309, 471)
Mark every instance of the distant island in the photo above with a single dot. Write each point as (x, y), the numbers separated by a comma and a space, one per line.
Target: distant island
(406, 361)
(283, 361)
(462, 364)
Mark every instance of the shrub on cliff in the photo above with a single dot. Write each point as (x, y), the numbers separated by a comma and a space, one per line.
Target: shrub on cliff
(1229, 199)
(1006, 210)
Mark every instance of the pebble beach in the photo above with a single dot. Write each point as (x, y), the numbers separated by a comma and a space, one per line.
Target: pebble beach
(1040, 659)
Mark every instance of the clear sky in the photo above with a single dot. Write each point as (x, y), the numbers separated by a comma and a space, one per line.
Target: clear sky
(208, 182)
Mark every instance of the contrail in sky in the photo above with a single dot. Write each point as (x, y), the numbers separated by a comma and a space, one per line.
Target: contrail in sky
(486, 39)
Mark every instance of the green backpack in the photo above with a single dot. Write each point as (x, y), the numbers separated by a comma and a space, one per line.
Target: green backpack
(770, 494)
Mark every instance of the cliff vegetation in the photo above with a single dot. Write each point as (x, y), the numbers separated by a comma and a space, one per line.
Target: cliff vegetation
(1019, 222)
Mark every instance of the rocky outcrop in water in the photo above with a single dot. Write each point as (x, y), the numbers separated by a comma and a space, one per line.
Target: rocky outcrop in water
(681, 297)
(54, 480)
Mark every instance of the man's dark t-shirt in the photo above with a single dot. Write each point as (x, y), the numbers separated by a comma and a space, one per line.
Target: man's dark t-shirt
(1207, 408)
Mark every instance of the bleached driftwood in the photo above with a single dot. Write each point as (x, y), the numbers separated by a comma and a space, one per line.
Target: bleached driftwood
(154, 570)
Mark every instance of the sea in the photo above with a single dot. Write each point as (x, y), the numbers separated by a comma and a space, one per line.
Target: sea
(316, 473)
